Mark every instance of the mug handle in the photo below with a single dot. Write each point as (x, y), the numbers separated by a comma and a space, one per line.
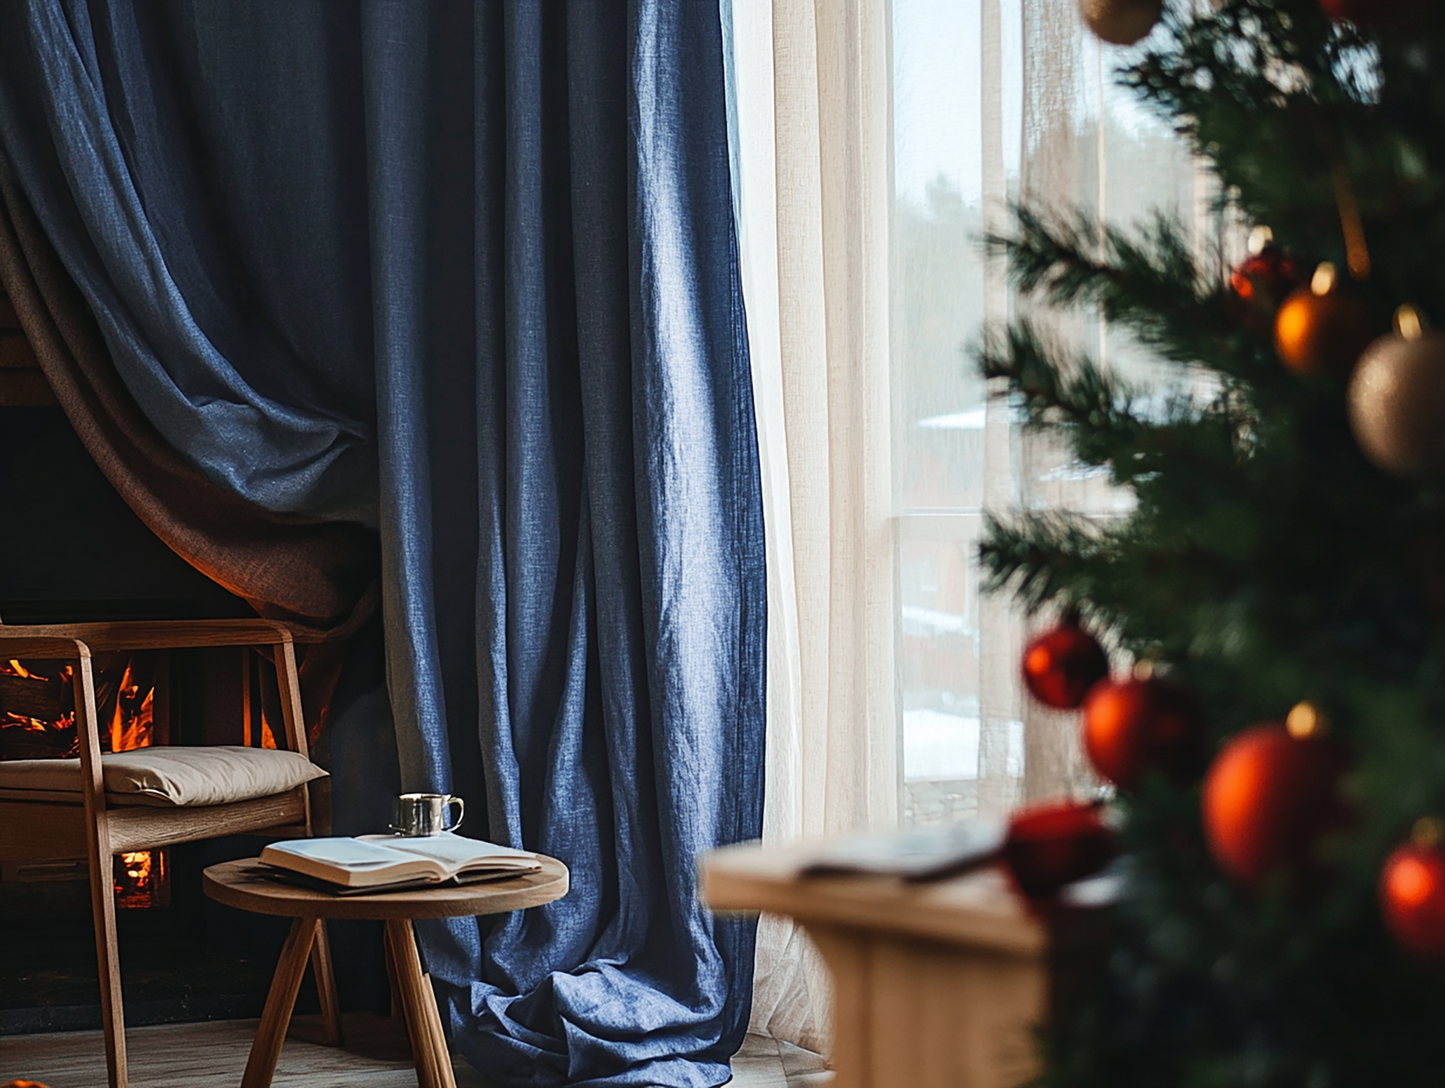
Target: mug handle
(461, 811)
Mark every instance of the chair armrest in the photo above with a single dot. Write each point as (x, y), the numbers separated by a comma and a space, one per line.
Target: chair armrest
(138, 635)
(16, 642)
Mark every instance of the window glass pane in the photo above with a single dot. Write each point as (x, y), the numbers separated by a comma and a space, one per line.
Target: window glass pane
(993, 99)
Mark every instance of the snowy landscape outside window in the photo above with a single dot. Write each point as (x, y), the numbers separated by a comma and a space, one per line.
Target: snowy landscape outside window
(993, 100)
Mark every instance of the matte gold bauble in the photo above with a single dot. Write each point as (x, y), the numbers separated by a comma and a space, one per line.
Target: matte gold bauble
(1121, 22)
(1397, 404)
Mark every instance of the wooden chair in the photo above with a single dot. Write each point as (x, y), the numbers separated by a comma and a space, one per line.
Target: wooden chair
(85, 820)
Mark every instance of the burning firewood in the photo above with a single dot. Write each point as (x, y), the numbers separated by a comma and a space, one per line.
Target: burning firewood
(32, 697)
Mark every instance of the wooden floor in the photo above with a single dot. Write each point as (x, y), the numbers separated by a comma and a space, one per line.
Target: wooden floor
(214, 1055)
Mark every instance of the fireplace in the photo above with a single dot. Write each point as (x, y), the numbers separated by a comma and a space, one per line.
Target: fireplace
(183, 957)
(73, 551)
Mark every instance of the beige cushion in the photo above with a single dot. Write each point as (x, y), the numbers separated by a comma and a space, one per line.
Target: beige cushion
(212, 775)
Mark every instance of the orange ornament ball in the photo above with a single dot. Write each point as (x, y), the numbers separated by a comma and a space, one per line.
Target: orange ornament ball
(1135, 726)
(1269, 796)
(1060, 666)
(1412, 898)
(1322, 328)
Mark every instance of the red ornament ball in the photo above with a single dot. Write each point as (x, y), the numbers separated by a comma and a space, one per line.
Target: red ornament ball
(1060, 666)
(1049, 846)
(1134, 726)
(1412, 898)
(1368, 12)
(1268, 798)
(1264, 279)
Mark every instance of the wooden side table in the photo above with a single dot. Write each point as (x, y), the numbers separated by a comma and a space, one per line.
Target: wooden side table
(241, 884)
(936, 985)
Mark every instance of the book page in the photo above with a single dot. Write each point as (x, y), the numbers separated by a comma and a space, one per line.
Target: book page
(453, 851)
(351, 854)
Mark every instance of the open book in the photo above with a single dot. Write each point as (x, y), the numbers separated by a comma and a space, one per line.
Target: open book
(374, 863)
(919, 855)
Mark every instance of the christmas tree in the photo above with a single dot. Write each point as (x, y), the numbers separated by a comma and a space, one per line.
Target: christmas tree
(1280, 754)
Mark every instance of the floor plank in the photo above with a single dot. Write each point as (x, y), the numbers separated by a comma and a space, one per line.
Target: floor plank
(213, 1055)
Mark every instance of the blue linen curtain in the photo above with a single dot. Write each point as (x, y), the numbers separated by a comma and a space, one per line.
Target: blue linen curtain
(466, 272)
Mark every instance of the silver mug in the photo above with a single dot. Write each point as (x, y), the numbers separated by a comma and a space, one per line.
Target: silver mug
(426, 813)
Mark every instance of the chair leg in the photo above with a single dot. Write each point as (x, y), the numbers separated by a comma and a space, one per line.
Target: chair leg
(326, 986)
(107, 955)
(102, 885)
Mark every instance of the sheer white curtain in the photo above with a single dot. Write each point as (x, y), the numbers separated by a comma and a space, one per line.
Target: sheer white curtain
(875, 142)
(812, 94)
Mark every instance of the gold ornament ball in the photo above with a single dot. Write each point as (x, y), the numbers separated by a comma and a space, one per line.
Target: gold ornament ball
(1397, 404)
(1121, 22)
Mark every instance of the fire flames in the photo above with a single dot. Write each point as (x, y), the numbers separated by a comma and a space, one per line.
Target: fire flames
(132, 721)
(140, 880)
(37, 721)
(37, 708)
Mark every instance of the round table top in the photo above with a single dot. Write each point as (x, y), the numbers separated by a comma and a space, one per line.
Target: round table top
(242, 884)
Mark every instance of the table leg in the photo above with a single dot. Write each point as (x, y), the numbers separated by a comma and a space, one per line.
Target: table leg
(393, 987)
(418, 1003)
(437, 1035)
(276, 1016)
(326, 986)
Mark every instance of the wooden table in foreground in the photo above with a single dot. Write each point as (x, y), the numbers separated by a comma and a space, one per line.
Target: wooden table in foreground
(936, 985)
(240, 884)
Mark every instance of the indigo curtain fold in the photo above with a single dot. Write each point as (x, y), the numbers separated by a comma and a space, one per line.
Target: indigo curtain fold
(466, 272)
(320, 577)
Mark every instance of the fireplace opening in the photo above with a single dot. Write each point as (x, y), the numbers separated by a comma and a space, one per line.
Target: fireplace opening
(183, 957)
(37, 721)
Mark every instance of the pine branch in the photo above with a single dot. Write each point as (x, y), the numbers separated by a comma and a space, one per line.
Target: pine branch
(1279, 98)
(1146, 280)
(1109, 422)
(1263, 88)
(1056, 388)
(1040, 558)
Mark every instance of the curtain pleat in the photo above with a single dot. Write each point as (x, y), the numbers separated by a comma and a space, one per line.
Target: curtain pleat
(320, 577)
(467, 271)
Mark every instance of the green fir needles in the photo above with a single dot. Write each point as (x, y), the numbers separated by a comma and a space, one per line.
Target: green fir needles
(1264, 561)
